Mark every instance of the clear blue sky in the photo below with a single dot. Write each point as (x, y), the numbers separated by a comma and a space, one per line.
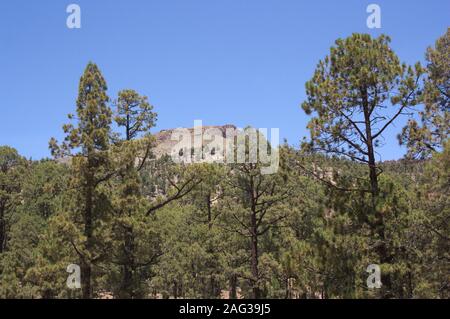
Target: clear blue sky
(221, 61)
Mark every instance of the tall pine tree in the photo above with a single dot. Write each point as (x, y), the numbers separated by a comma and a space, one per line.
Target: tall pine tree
(357, 92)
(88, 144)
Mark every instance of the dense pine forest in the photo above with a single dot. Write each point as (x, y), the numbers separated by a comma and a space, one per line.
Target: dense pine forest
(141, 226)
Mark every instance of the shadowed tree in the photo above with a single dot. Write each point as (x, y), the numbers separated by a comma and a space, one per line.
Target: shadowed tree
(255, 203)
(11, 164)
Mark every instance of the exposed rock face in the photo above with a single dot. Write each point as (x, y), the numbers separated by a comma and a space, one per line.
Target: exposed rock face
(67, 160)
(208, 142)
(198, 141)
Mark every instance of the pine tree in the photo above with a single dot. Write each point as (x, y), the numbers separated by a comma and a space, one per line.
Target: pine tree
(430, 135)
(135, 115)
(430, 229)
(357, 93)
(42, 184)
(90, 140)
(255, 206)
(11, 168)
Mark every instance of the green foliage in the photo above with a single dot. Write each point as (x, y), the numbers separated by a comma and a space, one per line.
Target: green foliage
(134, 113)
(11, 170)
(356, 93)
(352, 91)
(434, 128)
(91, 167)
(146, 227)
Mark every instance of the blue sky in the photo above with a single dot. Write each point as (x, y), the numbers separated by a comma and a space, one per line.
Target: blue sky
(221, 61)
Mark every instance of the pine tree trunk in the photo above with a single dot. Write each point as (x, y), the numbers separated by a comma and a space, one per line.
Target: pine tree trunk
(233, 287)
(378, 226)
(86, 279)
(127, 290)
(254, 258)
(86, 270)
(208, 204)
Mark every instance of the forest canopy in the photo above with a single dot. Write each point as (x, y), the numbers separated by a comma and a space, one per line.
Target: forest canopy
(142, 226)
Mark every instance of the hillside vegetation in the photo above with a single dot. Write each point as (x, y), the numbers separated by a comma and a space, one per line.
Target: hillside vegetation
(139, 225)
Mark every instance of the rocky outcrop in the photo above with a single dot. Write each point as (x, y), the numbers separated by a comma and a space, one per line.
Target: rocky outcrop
(171, 143)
